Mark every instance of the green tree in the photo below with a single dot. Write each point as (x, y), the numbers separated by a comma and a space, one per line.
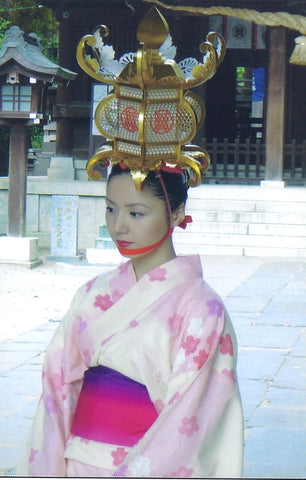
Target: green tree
(4, 131)
(31, 17)
(4, 25)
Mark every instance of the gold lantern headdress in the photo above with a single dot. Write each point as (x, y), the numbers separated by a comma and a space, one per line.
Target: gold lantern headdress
(151, 116)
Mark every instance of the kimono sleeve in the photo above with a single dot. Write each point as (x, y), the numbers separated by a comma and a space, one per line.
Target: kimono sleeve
(46, 443)
(199, 431)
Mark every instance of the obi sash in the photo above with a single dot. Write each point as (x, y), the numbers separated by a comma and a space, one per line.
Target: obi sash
(112, 408)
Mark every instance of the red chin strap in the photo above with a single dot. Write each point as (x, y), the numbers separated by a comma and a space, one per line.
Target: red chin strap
(138, 251)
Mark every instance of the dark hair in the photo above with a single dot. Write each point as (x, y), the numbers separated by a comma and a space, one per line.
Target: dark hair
(175, 185)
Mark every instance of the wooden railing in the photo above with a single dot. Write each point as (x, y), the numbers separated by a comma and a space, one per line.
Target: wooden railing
(241, 161)
(295, 162)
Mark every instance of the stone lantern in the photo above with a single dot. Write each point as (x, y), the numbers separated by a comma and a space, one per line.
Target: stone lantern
(24, 75)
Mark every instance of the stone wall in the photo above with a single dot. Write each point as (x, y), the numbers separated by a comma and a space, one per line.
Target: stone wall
(227, 219)
(91, 208)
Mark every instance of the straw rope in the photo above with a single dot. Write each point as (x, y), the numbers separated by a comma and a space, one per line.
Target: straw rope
(271, 19)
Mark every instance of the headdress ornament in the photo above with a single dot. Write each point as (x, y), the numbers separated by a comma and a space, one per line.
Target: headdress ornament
(151, 116)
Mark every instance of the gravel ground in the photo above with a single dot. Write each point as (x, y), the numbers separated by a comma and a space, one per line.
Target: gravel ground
(30, 297)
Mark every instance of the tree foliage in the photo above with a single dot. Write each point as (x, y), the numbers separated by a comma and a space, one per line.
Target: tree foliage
(30, 17)
(4, 25)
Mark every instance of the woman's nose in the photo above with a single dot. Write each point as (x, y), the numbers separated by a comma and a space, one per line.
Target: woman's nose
(120, 225)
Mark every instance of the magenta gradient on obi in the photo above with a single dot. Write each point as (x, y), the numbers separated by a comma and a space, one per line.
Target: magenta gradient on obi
(112, 408)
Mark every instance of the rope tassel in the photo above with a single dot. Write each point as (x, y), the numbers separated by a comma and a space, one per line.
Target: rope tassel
(298, 56)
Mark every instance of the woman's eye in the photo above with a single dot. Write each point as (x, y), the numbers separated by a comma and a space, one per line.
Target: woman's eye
(109, 209)
(136, 214)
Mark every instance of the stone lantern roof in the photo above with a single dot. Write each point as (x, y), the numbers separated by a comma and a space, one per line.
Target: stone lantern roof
(22, 53)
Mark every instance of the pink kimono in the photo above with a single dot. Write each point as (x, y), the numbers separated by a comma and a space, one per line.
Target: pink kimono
(169, 332)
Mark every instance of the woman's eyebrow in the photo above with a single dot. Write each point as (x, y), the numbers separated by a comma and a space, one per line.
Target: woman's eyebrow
(137, 204)
(129, 205)
(110, 201)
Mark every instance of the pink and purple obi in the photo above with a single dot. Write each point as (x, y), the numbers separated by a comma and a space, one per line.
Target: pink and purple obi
(112, 408)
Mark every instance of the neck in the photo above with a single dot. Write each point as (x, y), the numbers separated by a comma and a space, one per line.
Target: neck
(143, 265)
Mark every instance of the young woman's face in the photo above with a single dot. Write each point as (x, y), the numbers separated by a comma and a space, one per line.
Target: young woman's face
(134, 219)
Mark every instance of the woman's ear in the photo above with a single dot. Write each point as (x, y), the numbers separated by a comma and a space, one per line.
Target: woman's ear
(178, 215)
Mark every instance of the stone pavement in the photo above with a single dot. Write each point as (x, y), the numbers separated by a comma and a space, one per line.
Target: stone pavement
(266, 299)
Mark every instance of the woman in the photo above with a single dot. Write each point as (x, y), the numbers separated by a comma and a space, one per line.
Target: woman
(157, 353)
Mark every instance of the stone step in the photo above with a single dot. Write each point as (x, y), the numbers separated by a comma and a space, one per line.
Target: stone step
(232, 240)
(238, 251)
(240, 220)
(228, 205)
(274, 252)
(242, 193)
(278, 230)
(97, 256)
(217, 227)
(104, 244)
(280, 218)
(80, 164)
(245, 221)
(103, 232)
(244, 228)
(290, 207)
(223, 205)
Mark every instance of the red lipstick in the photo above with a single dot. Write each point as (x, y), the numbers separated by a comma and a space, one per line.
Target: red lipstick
(123, 244)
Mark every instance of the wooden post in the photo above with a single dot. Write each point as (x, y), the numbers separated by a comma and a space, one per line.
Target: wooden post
(276, 95)
(17, 181)
(64, 130)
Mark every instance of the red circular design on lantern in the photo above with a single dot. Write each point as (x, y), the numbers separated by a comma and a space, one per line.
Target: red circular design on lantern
(161, 121)
(129, 119)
